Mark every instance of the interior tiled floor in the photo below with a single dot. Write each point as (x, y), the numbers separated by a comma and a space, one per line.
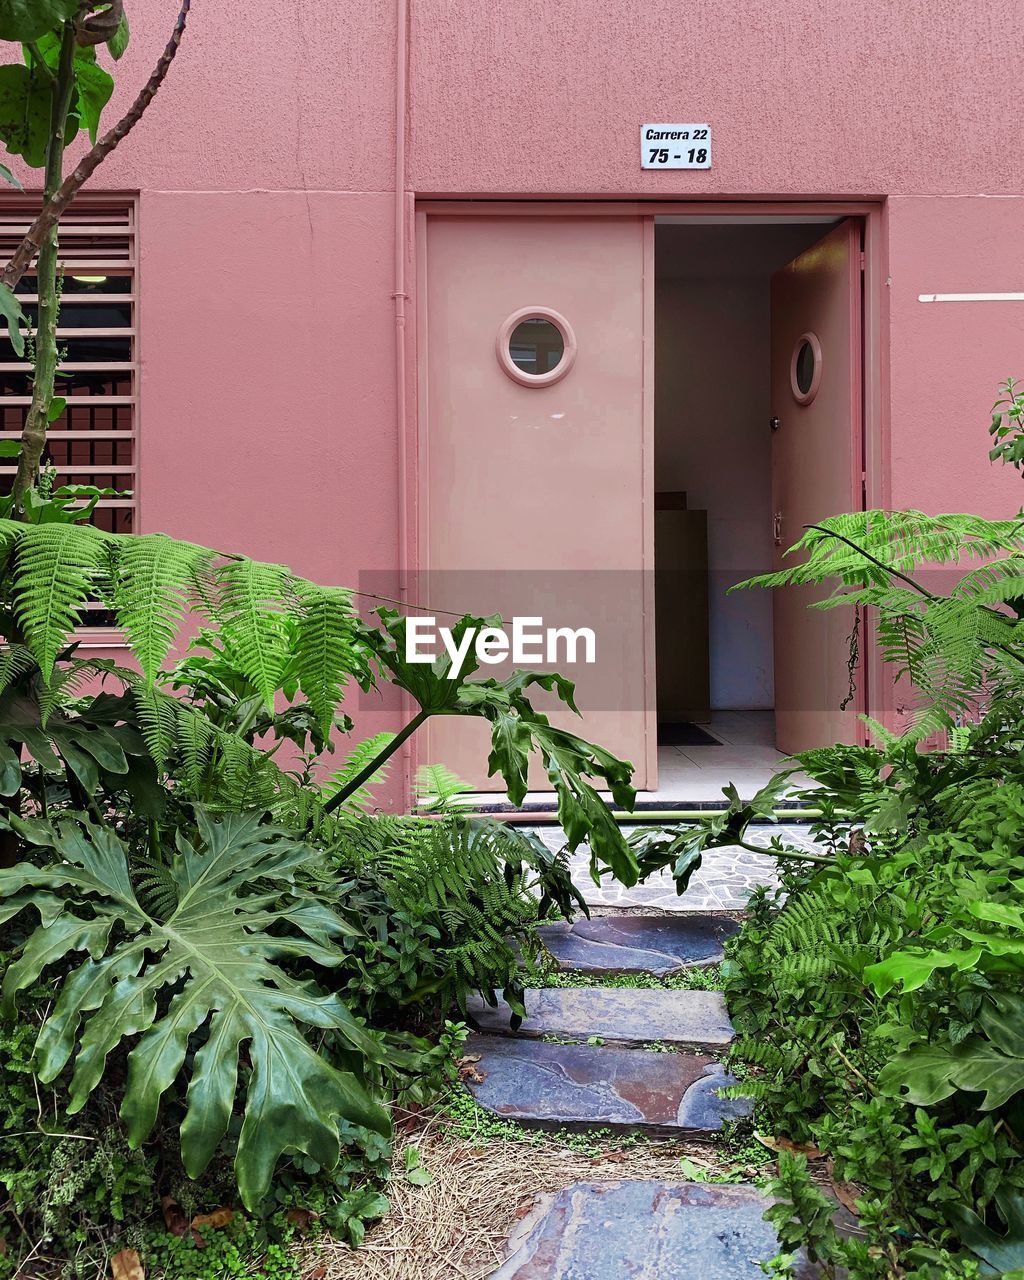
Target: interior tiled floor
(726, 879)
(745, 755)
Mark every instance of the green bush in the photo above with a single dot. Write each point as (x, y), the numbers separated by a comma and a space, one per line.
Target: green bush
(860, 983)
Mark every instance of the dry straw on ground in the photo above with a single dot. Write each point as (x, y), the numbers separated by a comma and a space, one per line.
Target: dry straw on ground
(456, 1228)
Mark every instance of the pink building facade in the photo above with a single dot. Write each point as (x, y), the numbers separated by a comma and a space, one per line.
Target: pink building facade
(281, 393)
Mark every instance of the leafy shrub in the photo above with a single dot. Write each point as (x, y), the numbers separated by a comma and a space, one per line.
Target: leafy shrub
(892, 1085)
(223, 923)
(75, 1179)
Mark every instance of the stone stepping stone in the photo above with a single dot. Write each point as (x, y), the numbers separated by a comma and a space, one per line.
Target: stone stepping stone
(637, 944)
(580, 1086)
(645, 1230)
(693, 1018)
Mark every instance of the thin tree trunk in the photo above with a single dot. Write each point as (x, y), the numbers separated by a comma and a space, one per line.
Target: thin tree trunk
(33, 438)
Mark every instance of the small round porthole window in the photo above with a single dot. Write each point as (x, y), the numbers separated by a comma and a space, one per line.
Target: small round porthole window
(536, 346)
(805, 368)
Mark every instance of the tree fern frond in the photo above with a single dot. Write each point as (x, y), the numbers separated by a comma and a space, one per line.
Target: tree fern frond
(359, 756)
(158, 721)
(56, 568)
(249, 610)
(437, 787)
(64, 684)
(327, 652)
(195, 745)
(152, 579)
(16, 660)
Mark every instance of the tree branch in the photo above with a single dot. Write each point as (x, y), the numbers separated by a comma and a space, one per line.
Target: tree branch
(54, 209)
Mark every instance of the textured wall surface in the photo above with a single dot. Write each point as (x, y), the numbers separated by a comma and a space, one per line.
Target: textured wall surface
(869, 96)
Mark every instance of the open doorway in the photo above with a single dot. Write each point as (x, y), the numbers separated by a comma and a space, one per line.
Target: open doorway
(725, 663)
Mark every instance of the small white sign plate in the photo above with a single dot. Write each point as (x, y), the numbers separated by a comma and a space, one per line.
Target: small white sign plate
(675, 146)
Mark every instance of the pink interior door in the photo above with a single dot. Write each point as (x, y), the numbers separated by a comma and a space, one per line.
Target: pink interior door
(536, 463)
(816, 472)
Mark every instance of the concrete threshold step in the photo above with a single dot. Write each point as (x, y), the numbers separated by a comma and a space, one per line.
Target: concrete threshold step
(657, 945)
(695, 1019)
(645, 1230)
(580, 1086)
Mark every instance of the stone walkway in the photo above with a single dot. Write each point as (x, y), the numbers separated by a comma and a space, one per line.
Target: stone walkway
(635, 1061)
(726, 879)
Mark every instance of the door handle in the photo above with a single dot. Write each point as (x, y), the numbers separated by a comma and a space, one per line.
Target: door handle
(777, 528)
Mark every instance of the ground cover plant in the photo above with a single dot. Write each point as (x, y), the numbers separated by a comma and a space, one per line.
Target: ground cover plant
(878, 995)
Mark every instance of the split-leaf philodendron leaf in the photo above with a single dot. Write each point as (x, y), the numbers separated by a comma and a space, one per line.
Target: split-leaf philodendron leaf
(216, 963)
(517, 730)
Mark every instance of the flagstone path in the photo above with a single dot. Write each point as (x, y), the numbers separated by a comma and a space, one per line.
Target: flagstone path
(726, 879)
(635, 1060)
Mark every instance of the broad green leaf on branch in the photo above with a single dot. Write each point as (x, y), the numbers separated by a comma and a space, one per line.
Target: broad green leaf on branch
(94, 87)
(118, 42)
(914, 968)
(29, 19)
(25, 113)
(927, 1074)
(14, 318)
(222, 957)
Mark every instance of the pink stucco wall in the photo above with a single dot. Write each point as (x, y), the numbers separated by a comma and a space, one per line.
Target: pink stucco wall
(265, 165)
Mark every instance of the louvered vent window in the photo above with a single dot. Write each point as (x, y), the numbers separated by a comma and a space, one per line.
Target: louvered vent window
(93, 441)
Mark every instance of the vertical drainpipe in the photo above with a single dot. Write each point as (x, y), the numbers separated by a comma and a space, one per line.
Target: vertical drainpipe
(399, 295)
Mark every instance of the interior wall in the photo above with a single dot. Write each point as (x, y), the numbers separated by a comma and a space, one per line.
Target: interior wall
(711, 410)
(712, 440)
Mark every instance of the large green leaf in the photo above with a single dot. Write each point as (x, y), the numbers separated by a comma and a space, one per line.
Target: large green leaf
(25, 113)
(94, 87)
(154, 577)
(221, 956)
(14, 318)
(927, 1074)
(517, 730)
(118, 42)
(57, 566)
(1003, 1253)
(29, 19)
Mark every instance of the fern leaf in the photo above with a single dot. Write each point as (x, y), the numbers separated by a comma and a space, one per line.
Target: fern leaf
(326, 649)
(249, 610)
(56, 569)
(195, 741)
(152, 580)
(437, 787)
(15, 661)
(362, 754)
(158, 721)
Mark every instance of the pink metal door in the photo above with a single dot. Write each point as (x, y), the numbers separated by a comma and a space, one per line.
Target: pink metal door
(816, 471)
(536, 482)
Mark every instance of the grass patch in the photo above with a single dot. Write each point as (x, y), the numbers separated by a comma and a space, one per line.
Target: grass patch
(704, 978)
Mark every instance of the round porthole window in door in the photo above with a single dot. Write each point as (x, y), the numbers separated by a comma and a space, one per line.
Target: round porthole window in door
(805, 368)
(536, 346)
